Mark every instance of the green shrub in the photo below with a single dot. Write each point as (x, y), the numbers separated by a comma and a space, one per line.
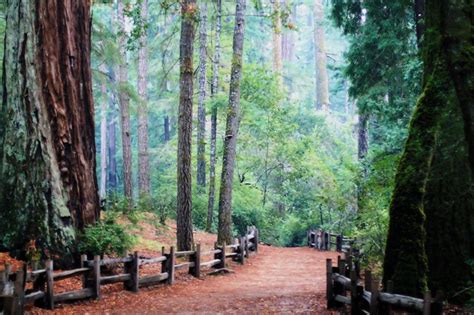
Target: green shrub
(105, 237)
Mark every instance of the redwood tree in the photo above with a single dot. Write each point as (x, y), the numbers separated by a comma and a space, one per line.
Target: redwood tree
(232, 128)
(321, 81)
(184, 198)
(48, 184)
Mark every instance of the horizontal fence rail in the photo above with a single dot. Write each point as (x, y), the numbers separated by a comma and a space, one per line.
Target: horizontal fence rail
(324, 240)
(14, 295)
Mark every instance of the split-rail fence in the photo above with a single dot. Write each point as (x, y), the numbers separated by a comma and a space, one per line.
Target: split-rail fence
(41, 292)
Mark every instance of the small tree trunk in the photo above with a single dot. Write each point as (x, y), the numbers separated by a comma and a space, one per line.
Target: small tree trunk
(322, 87)
(143, 159)
(184, 197)
(124, 108)
(48, 186)
(103, 137)
(214, 87)
(166, 127)
(232, 129)
(201, 142)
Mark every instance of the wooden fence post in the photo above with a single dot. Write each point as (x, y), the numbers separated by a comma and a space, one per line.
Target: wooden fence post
(339, 243)
(242, 250)
(163, 263)
(327, 246)
(171, 258)
(83, 265)
(308, 235)
(49, 285)
(196, 258)
(374, 299)
(368, 280)
(96, 276)
(134, 276)
(222, 257)
(427, 303)
(329, 287)
(341, 266)
(354, 294)
(256, 240)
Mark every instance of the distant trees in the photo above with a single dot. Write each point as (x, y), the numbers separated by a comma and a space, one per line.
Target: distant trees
(214, 88)
(143, 158)
(277, 40)
(232, 128)
(321, 74)
(184, 196)
(48, 186)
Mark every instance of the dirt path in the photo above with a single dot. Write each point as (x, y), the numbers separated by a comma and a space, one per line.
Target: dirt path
(276, 281)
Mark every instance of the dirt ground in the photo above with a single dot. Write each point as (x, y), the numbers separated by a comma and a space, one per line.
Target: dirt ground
(276, 281)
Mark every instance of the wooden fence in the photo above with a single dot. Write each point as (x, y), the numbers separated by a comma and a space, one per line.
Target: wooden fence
(345, 285)
(14, 295)
(324, 240)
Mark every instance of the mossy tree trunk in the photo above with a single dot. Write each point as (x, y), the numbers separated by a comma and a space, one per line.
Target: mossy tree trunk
(184, 197)
(232, 129)
(433, 188)
(48, 185)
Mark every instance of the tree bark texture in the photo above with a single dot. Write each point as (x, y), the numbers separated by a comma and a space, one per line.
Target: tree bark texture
(214, 88)
(232, 128)
(143, 158)
(433, 188)
(48, 185)
(124, 100)
(201, 132)
(166, 127)
(321, 81)
(184, 197)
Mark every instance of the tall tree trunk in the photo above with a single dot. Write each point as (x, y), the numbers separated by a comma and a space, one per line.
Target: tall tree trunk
(232, 129)
(48, 185)
(143, 159)
(419, 14)
(201, 134)
(184, 200)
(276, 42)
(214, 87)
(321, 81)
(432, 180)
(124, 107)
(103, 136)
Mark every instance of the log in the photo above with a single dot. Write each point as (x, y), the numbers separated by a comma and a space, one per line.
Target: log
(33, 296)
(111, 261)
(343, 299)
(184, 265)
(231, 254)
(70, 273)
(211, 263)
(401, 301)
(346, 282)
(115, 278)
(154, 260)
(233, 246)
(155, 279)
(184, 253)
(211, 252)
(74, 295)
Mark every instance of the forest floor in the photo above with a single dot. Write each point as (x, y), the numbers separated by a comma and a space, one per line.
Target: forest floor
(274, 281)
